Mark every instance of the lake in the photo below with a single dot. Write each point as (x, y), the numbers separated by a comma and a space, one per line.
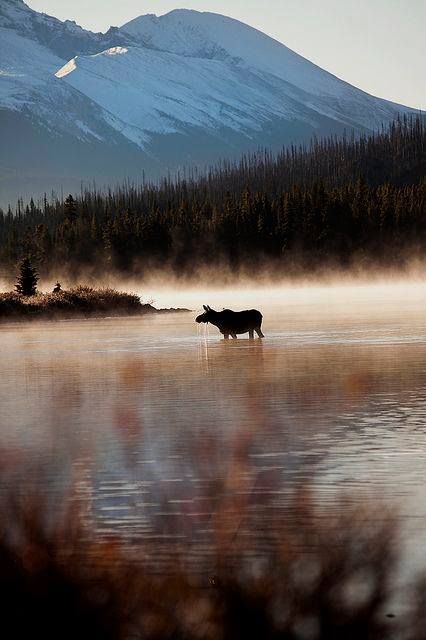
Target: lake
(147, 420)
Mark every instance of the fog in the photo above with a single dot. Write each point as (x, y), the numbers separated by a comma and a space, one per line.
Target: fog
(136, 413)
(227, 288)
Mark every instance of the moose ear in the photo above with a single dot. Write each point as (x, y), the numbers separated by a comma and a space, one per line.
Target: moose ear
(205, 307)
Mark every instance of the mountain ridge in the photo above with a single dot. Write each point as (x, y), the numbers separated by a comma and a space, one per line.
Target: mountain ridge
(198, 83)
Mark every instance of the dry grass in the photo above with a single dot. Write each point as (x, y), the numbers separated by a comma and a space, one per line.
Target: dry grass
(78, 301)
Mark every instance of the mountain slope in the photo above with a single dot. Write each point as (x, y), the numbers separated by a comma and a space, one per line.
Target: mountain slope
(53, 136)
(202, 69)
(155, 95)
(210, 36)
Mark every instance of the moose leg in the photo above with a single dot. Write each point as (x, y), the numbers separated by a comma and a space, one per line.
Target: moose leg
(251, 334)
(234, 335)
(226, 336)
(259, 333)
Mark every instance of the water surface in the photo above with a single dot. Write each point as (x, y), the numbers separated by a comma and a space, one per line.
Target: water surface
(143, 417)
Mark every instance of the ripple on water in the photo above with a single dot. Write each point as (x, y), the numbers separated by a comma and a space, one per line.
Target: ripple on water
(144, 415)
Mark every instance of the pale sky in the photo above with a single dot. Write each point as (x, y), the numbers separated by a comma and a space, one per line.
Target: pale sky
(376, 45)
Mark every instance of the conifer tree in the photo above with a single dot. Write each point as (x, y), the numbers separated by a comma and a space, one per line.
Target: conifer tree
(335, 200)
(27, 280)
(70, 208)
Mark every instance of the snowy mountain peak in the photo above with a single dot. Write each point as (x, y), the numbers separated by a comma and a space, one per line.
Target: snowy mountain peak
(207, 35)
(161, 92)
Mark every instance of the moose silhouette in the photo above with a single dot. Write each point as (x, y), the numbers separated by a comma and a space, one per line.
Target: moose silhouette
(233, 323)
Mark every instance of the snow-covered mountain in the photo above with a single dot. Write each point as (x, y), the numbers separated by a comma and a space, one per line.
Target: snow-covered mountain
(155, 95)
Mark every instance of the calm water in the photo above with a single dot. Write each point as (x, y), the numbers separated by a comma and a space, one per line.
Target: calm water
(143, 418)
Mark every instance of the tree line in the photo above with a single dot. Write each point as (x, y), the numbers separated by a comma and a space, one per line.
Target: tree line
(337, 200)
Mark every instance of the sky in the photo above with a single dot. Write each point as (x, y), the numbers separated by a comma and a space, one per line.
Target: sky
(376, 45)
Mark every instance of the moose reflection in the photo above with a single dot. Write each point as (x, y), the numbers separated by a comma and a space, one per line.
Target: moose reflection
(233, 323)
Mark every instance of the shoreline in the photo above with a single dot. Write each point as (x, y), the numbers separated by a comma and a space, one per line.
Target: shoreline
(67, 317)
(79, 303)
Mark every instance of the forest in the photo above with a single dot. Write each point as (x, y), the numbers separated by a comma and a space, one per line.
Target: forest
(338, 202)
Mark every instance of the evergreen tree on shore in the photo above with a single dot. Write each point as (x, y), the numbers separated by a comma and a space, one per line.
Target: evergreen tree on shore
(27, 280)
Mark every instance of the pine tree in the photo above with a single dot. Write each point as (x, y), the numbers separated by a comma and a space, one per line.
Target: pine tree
(27, 280)
(70, 208)
(332, 201)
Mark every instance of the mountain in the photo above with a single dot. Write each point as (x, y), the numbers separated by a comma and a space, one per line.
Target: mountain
(156, 95)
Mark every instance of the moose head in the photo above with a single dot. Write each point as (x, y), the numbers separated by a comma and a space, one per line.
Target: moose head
(207, 316)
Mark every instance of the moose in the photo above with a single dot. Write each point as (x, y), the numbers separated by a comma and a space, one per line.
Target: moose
(233, 323)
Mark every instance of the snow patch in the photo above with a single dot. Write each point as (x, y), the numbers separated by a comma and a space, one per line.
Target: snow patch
(67, 68)
(83, 127)
(9, 74)
(115, 51)
(72, 64)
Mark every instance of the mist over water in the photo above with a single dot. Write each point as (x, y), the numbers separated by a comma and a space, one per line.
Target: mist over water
(142, 414)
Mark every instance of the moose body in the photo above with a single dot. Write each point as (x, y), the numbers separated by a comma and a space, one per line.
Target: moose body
(233, 323)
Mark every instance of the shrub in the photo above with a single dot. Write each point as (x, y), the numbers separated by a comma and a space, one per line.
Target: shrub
(77, 301)
(310, 577)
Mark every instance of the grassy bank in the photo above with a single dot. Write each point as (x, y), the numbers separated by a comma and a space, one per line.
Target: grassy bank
(78, 302)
